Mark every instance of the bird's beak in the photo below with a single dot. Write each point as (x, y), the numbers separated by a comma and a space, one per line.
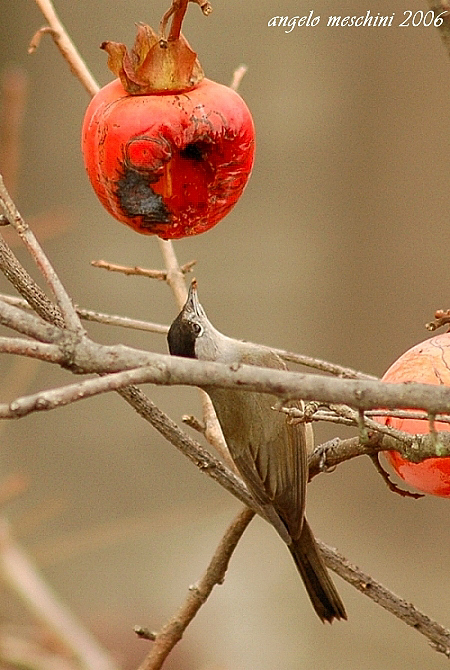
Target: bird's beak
(192, 299)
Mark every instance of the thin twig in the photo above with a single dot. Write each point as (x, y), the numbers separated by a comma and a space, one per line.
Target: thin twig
(436, 634)
(175, 276)
(122, 321)
(68, 312)
(325, 366)
(97, 317)
(441, 318)
(176, 281)
(347, 416)
(66, 47)
(130, 271)
(392, 486)
(194, 423)
(139, 271)
(173, 630)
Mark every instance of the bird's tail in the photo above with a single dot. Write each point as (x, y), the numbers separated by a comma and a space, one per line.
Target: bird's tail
(321, 590)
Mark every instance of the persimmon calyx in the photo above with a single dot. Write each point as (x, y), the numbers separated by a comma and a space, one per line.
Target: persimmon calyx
(157, 64)
(154, 65)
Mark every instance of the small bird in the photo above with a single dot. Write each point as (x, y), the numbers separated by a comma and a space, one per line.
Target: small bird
(269, 451)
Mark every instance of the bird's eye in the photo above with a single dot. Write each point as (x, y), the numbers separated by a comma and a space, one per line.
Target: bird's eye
(196, 327)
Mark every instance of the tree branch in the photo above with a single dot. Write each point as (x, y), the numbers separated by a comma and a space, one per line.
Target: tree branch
(437, 634)
(11, 212)
(65, 45)
(173, 630)
(27, 287)
(86, 356)
(99, 317)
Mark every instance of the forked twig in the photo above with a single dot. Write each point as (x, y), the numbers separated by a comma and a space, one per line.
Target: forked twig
(65, 45)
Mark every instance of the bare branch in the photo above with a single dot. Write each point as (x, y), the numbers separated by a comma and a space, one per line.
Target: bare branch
(172, 631)
(65, 45)
(65, 395)
(68, 312)
(98, 317)
(27, 287)
(139, 271)
(42, 351)
(170, 370)
(88, 357)
(325, 366)
(437, 634)
(175, 276)
(122, 321)
(27, 324)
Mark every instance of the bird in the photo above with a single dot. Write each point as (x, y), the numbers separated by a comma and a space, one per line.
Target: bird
(268, 450)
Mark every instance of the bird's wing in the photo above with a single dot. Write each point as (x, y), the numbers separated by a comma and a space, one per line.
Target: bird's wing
(269, 451)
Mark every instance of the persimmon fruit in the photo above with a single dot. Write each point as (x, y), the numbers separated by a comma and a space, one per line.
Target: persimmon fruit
(167, 151)
(427, 363)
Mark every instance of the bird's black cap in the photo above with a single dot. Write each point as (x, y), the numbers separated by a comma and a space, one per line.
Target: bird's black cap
(181, 337)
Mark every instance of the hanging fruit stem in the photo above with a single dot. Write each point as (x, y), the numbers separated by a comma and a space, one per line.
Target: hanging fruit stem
(177, 11)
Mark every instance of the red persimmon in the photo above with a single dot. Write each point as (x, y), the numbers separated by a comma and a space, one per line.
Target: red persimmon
(168, 164)
(427, 363)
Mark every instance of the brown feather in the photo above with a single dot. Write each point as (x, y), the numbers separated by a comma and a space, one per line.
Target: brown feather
(272, 459)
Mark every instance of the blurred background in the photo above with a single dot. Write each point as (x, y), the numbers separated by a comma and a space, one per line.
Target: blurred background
(337, 249)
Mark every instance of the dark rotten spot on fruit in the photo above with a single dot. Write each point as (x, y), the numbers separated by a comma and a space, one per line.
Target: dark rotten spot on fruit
(193, 152)
(137, 198)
